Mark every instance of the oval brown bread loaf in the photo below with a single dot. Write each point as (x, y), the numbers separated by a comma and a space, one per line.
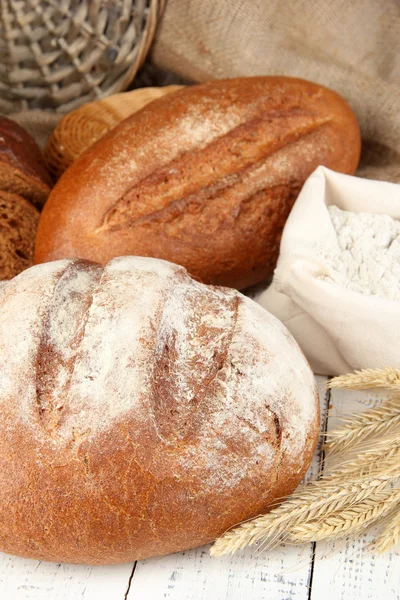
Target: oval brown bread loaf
(18, 222)
(22, 169)
(204, 177)
(142, 412)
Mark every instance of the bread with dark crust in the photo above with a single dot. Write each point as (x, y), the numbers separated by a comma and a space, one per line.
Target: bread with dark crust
(142, 412)
(22, 169)
(18, 223)
(204, 177)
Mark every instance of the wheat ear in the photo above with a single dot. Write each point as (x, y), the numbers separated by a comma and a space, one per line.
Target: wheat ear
(349, 521)
(382, 455)
(364, 379)
(357, 428)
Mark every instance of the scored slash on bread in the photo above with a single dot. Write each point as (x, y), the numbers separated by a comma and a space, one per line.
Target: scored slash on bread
(18, 223)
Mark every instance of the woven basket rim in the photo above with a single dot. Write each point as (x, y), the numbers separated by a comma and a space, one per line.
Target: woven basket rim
(99, 54)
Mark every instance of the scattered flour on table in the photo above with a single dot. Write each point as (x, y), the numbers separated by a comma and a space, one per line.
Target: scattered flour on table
(367, 259)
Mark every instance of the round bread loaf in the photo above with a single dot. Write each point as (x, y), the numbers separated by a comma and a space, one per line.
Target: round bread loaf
(18, 222)
(22, 169)
(204, 177)
(142, 412)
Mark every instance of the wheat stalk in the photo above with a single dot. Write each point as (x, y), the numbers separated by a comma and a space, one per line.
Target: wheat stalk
(388, 379)
(352, 520)
(367, 462)
(376, 422)
(350, 496)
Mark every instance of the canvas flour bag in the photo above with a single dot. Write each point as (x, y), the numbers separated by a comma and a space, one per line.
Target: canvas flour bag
(337, 283)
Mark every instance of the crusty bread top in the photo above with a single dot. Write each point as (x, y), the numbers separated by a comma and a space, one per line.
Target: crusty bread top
(82, 127)
(96, 341)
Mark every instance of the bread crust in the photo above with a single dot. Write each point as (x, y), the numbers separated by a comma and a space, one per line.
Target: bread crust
(18, 223)
(22, 169)
(204, 177)
(142, 412)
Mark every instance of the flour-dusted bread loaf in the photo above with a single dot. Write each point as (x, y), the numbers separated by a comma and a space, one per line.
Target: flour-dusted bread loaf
(142, 412)
(18, 222)
(22, 169)
(204, 177)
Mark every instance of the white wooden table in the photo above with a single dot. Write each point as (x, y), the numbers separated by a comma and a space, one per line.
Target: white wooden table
(348, 570)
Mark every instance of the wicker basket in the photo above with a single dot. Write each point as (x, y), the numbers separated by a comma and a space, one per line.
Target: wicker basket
(59, 54)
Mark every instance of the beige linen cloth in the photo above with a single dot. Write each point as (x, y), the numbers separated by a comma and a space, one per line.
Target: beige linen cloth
(338, 329)
(351, 46)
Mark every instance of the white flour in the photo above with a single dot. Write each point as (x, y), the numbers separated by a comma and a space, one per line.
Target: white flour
(367, 259)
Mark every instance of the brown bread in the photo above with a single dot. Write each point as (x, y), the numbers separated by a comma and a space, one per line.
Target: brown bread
(18, 223)
(22, 169)
(142, 412)
(204, 177)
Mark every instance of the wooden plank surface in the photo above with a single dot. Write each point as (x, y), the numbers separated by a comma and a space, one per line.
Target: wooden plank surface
(23, 579)
(341, 571)
(194, 575)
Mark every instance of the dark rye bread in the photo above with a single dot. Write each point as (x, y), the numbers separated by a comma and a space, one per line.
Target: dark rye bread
(204, 177)
(22, 169)
(18, 223)
(142, 412)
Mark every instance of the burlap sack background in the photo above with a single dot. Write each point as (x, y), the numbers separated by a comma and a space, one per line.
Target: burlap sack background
(352, 46)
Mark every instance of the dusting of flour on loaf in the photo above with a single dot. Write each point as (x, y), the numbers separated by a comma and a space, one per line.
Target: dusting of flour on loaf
(203, 374)
(263, 404)
(367, 256)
